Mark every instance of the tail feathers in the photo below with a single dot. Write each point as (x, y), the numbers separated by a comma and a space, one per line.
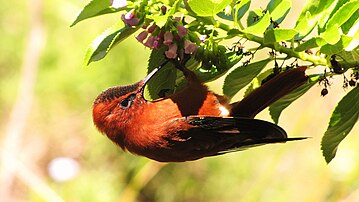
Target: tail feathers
(258, 142)
(269, 92)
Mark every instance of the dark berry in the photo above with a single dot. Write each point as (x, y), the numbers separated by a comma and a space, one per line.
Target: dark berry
(352, 83)
(324, 92)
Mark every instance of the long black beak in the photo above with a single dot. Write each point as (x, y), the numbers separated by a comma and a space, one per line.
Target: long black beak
(151, 74)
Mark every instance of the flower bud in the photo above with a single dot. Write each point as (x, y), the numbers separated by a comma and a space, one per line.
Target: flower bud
(182, 31)
(164, 10)
(130, 19)
(189, 47)
(142, 36)
(172, 51)
(167, 38)
(149, 41)
(152, 28)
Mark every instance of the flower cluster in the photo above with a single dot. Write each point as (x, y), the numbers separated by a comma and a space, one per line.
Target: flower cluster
(173, 36)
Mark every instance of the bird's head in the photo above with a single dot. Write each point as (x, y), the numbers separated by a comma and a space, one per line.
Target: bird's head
(114, 109)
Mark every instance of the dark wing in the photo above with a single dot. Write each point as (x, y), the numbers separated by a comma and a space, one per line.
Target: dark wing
(209, 136)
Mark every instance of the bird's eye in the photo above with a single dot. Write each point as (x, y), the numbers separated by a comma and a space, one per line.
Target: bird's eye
(127, 102)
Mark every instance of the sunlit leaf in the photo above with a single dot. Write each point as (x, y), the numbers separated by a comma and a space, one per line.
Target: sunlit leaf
(277, 107)
(242, 76)
(277, 35)
(260, 26)
(253, 16)
(331, 35)
(341, 15)
(304, 26)
(314, 12)
(330, 49)
(256, 82)
(95, 8)
(315, 7)
(343, 119)
(239, 10)
(278, 9)
(208, 7)
(103, 43)
(352, 23)
(311, 43)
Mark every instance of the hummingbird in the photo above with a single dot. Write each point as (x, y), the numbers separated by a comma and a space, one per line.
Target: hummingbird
(192, 123)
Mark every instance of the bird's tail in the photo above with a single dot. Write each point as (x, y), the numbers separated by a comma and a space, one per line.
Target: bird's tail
(269, 92)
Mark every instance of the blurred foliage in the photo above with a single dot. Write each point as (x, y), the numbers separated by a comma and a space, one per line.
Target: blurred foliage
(61, 125)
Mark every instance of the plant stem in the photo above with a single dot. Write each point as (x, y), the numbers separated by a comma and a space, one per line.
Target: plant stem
(316, 60)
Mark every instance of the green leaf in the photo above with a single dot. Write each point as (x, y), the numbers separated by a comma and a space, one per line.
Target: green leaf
(256, 82)
(304, 26)
(207, 76)
(242, 8)
(278, 9)
(351, 23)
(332, 34)
(277, 35)
(160, 20)
(253, 16)
(277, 107)
(95, 8)
(343, 118)
(103, 43)
(260, 26)
(313, 12)
(311, 43)
(242, 76)
(343, 14)
(330, 49)
(208, 7)
(165, 79)
(239, 10)
(315, 8)
(349, 55)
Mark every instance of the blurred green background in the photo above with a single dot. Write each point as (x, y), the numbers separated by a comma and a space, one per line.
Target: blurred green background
(51, 150)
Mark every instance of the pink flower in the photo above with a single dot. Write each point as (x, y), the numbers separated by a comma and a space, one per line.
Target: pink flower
(149, 42)
(142, 36)
(129, 15)
(130, 19)
(152, 28)
(167, 38)
(189, 47)
(157, 43)
(172, 51)
(182, 31)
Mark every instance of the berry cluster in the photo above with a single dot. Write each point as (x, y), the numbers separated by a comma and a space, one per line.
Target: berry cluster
(354, 79)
